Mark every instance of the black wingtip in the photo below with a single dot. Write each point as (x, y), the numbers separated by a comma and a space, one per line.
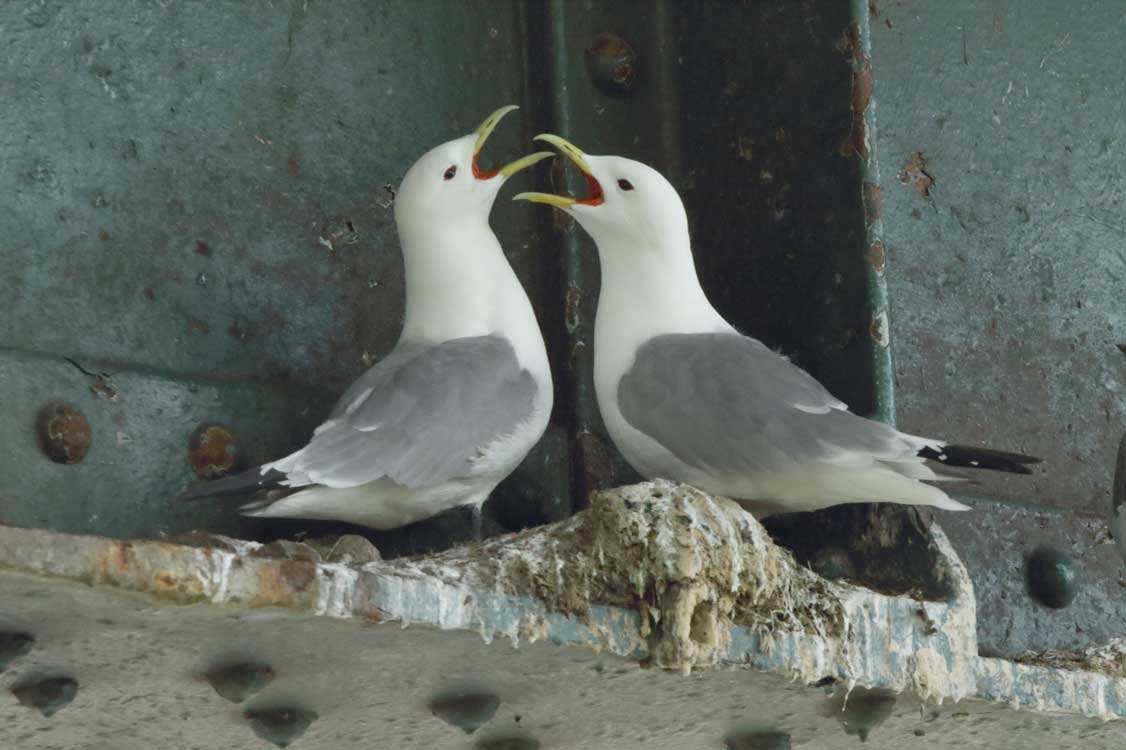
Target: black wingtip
(971, 457)
(248, 481)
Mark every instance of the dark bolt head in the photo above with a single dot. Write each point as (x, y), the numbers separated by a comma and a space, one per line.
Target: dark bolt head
(612, 65)
(64, 434)
(212, 451)
(1052, 577)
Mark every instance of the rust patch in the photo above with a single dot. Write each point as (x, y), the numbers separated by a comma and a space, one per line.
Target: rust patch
(293, 167)
(916, 175)
(150, 294)
(573, 299)
(856, 140)
(202, 248)
(299, 574)
(849, 43)
(195, 325)
(165, 579)
(238, 332)
(873, 202)
(872, 9)
(212, 451)
(103, 235)
(595, 469)
(101, 387)
(876, 257)
(64, 433)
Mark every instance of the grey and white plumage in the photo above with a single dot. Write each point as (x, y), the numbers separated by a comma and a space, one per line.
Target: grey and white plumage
(685, 396)
(465, 393)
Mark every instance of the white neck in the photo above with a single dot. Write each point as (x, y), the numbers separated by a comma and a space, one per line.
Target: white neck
(647, 292)
(459, 283)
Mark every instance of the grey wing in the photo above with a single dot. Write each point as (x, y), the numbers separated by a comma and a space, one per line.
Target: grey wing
(725, 402)
(420, 416)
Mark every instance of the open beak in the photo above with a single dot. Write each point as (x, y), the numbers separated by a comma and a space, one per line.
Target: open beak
(572, 152)
(483, 133)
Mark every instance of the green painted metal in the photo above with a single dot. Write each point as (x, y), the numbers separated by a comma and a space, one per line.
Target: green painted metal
(198, 210)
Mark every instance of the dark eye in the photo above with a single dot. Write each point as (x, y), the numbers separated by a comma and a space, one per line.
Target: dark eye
(449, 175)
(625, 184)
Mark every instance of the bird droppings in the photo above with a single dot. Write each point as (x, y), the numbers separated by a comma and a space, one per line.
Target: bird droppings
(1052, 577)
(572, 301)
(518, 741)
(915, 174)
(691, 565)
(860, 709)
(47, 695)
(757, 739)
(212, 451)
(64, 433)
(281, 726)
(465, 706)
(13, 646)
(1108, 659)
(238, 682)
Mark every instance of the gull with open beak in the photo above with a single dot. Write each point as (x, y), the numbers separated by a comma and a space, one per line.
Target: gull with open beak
(465, 393)
(685, 396)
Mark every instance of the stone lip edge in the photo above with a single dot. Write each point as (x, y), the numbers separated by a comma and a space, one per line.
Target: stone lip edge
(889, 642)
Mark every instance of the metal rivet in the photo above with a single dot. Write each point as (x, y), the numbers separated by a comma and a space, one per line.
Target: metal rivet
(64, 433)
(238, 682)
(612, 64)
(13, 646)
(1052, 577)
(212, 451)
(47, 695)
(464, 706)
(757, 740)
(280, 726)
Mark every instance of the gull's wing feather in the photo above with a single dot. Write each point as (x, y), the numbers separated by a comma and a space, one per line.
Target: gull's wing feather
(726, 403)
(420, 416)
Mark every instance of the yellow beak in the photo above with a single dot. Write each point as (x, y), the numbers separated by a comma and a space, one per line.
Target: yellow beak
(576, 155)
(485, 130)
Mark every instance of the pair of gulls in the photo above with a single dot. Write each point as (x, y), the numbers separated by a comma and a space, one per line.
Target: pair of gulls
(467, 391)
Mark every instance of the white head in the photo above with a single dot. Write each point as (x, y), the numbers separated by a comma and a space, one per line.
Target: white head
(633, 213)
(445, 187)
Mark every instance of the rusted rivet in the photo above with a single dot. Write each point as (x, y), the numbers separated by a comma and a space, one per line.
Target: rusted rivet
(1052, 577)
(64, 433)
(612, 64)
(212, 451)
